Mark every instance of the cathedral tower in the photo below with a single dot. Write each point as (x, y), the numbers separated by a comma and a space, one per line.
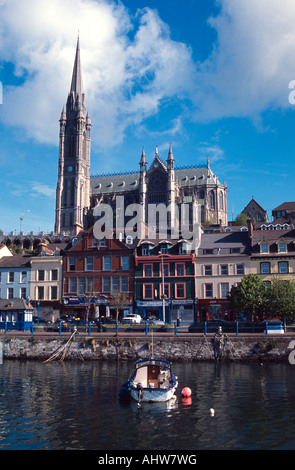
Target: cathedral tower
(73, 186)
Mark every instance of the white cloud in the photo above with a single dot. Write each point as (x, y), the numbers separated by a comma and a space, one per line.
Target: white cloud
(124, 80)
(252, 63)
(38, 189)
(131, 66)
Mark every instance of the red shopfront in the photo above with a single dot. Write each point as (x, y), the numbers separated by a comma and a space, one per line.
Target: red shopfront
(214, 309)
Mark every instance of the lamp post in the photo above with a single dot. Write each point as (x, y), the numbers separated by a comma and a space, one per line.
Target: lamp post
(21, 220)
(163, 285)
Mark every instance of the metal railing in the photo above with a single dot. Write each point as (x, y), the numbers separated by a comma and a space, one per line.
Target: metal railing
(146, 328)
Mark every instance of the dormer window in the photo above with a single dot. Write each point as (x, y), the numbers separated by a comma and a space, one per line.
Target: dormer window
(264, 248)
(183, 248)
(282, 247)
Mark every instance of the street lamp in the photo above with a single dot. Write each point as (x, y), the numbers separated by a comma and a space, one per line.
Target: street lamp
(21, 220)
(163, 285)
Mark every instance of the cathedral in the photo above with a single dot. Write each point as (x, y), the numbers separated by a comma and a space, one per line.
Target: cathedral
(77, 193)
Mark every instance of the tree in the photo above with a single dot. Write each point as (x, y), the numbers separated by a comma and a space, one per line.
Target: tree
(241, 220)
(282, 299)
(249, 296)
(119, 300)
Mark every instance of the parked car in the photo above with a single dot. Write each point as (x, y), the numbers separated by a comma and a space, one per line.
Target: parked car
(132, 318)
(154, 321)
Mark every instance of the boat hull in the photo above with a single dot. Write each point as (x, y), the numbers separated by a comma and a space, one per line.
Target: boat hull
(153, 394)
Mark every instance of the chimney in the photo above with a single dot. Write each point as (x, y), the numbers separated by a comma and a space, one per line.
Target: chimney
(250, 228)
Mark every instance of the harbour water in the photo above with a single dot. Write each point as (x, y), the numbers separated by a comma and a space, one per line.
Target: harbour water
(75, 406)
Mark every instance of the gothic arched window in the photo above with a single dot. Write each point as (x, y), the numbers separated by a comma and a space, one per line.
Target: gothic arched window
(220, 201)
(212, 200)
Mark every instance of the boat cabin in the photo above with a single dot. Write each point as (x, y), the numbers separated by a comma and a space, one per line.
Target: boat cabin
(152, 374)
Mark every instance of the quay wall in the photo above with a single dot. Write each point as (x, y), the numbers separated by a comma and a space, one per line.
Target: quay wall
(197, 348)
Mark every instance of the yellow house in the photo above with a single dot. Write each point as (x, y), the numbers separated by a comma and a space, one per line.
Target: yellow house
(273, 254)
(46, 282)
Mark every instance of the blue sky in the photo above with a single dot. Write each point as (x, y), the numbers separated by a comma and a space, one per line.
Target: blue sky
(209, 77)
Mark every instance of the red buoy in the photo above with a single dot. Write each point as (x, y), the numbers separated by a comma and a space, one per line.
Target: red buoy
(186, 392)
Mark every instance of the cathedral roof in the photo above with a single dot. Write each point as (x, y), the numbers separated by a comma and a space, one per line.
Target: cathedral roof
(125, 182)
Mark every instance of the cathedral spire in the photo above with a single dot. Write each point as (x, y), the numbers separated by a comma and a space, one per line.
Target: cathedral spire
(77, 84)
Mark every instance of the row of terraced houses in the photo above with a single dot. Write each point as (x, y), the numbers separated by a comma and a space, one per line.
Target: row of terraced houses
(162, 278)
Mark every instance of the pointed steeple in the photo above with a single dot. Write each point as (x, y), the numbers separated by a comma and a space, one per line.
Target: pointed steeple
(142, 159)
(170, 155)
(77, 84)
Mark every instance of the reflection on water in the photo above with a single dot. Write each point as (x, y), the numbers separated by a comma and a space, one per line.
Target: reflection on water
(76, 406)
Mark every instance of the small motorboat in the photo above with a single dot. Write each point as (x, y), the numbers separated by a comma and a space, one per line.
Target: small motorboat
(151, 380)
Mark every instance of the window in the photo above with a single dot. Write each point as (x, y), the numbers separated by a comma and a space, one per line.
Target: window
(89, 263)
(81, 285)
(183, 248)
(124, 284)
(212, 199)
(264, 268)
(89, 285)
(53, 292)
(23, 276)
(224, 269)
(54, 274)
(264, 248)
(23, 293)
(180, 269)
(220, 201)
(125, 263)
(283, 267)
(208, 251)
(116, 283)
(10, 293)
(180, 291)
(208, 290)
(41, 275)
(102, 243)
(106, 284)
(165, 269)
(145, 251)
(107, 263)
(11, 276)
(72, 264)
(94, 242)
(240, 269)
(208, 270)
(148, 291)
(40, 292)
(73, 285)
(282, 247)
(224, 289)
(147, 270)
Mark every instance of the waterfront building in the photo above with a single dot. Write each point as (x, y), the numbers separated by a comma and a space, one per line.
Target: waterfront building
(221, 262)
(161, 182)
(165, 280)
(93, 272)
(15, 276)
(46, 281)
(273, 254)
(16, 314)
(284, 214)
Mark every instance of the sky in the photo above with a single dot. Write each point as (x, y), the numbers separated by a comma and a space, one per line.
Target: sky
(213, 78)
